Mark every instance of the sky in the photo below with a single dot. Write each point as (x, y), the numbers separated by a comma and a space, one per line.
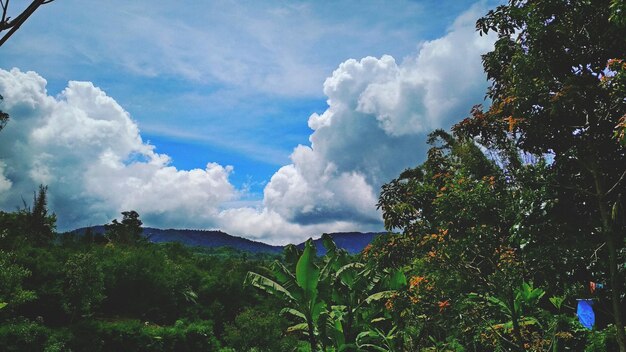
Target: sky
(272, 120)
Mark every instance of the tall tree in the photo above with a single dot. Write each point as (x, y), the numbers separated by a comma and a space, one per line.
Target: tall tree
(40, 224)
(558, 74)
(472, 226)
(126, 232)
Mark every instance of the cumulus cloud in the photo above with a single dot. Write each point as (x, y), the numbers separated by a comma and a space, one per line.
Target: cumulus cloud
(90, 153)
(379, 114)
(86, 148)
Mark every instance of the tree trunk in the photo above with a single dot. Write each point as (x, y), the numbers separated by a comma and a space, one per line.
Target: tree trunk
(517, 332)
(312, 341)
(615, 284)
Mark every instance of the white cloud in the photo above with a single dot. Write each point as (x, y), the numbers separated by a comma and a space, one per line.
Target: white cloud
(277, 47)
(86, 148)
(379, 114)
(270, 227)
(89, 151)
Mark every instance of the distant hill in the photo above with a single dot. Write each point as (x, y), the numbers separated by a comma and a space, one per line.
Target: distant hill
(353, 242)
(209, 239)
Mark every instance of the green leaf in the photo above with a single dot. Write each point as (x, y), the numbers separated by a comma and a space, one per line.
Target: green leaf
(615, 211)
(329, 244)
(371, 346)
(338, 333)
(294, 312)
(316, 310)
(525, 321)
(557, 301)
(307, 273)
(498, 302)
(529, 295)
(286, 279)
(325, 273)
(347, 347)
(397, 280)
(292, 253)
(369, 335)
(379, 296)
(263, 283)
(298, 327)
(3, 304)
(282, 274)
(347, 273)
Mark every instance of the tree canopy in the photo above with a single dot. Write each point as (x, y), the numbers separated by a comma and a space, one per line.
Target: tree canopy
(557, 87)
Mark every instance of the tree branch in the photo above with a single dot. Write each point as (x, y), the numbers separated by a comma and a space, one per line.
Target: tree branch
(616, 183)
(5, 6)
(14, 24)
(508, 342)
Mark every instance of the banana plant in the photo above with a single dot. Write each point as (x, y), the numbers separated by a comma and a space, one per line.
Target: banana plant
(355, 289)
(331, 305)
(299, 291)
(517, 309)
(376, 339)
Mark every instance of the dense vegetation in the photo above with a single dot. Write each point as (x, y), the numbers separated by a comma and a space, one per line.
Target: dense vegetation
(516, 215)
(120, 293)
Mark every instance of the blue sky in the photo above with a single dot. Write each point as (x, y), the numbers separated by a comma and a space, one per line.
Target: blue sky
(301, 109)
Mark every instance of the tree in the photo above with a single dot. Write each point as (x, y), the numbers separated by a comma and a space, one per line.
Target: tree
(12, 25)
(126, 232)
(12, 276)
(472, 225)
(558, 74)
(83, 284)
(41, 226)
(299, 291)
(31, 225)
(257, 329)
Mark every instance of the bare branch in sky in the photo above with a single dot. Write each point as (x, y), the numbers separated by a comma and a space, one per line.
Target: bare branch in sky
(11, 25)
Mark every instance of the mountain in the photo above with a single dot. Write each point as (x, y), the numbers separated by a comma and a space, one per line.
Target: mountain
(353, 242)
(209, 239)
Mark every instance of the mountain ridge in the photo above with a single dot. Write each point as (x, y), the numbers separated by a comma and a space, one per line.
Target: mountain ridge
(353, 242)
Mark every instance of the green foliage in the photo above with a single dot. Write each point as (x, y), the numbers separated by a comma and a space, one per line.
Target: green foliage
(77, 294)
(41, 224)
(377, 340)
(557, 85)
(29, 336)
(258, 329)
(127, 232)
(28, 226)
(12, 275)
(135, 335)
(476, 231)
(83, 284)
(333, 305)
(302, 297)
